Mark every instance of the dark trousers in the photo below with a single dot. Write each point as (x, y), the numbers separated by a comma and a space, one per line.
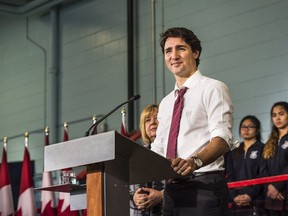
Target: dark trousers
(248, 211)
(278, 213)
(205, 195)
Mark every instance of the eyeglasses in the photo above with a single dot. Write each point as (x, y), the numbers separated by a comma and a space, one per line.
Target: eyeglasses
(248, 127)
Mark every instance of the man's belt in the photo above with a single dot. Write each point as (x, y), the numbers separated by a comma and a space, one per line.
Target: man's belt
(196, 175)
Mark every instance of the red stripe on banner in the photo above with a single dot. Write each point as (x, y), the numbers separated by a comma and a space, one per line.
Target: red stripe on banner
(256, 181)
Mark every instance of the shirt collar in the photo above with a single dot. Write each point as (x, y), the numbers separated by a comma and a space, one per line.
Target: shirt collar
(190, 83)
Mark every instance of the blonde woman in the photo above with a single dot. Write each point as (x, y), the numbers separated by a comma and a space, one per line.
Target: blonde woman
(148, 198)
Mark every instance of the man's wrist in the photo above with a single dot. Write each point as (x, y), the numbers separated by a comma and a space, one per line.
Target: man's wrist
(192, 164)
(197, 161)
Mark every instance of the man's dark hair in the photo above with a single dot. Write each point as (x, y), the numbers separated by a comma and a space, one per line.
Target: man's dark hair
(187, 35)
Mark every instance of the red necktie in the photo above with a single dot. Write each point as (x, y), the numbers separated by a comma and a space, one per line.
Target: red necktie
(174, 129)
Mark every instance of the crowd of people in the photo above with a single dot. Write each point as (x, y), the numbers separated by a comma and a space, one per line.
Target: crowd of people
(255, 159)
(194, 132)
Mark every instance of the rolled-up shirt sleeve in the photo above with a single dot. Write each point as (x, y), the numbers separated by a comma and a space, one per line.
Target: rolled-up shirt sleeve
(219, 111)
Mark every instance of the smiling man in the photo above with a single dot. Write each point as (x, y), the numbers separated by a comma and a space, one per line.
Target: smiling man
(194, 131)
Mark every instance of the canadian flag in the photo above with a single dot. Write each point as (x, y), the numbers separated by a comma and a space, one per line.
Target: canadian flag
(134, 135)
(64, 198)
(48, 202)
(6, 203)
(26, 200)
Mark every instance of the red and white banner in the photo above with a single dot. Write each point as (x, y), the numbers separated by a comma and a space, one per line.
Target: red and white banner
(64, 198)
(6, 199)
(48, 202)
(26, 200)
(134, 135)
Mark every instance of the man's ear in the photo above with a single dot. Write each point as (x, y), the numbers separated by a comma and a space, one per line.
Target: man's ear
(196, 55)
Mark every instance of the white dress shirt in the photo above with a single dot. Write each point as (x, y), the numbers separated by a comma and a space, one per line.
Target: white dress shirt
(207, 113)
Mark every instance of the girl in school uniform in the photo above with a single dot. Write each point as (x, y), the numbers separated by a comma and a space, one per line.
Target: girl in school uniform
(275, 160)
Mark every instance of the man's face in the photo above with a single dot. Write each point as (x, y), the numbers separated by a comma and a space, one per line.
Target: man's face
(179, 57)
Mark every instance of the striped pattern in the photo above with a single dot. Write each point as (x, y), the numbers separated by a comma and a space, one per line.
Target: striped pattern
(174, 129)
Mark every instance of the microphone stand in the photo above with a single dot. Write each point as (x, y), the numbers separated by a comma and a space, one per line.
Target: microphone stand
(87, 133)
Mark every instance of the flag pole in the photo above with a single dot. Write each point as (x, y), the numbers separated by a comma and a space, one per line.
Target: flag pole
(26, 136)
(124, 130)
(5, 141)
(94, 120)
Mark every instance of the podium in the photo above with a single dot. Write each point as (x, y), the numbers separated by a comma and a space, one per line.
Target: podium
(113, 162)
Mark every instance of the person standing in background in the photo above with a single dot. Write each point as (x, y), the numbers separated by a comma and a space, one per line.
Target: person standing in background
(275, 160)
(244, 163)
(147, 199)
(195, 122)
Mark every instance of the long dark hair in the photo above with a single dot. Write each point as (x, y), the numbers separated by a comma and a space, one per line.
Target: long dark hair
(272, 142)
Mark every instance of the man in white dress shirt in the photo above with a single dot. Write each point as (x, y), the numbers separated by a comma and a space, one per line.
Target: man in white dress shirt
(204, 131)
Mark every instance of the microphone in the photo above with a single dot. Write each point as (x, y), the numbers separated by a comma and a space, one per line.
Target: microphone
(135, 97)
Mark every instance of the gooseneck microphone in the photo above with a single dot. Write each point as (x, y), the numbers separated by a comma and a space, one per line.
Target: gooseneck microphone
(135, 97)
